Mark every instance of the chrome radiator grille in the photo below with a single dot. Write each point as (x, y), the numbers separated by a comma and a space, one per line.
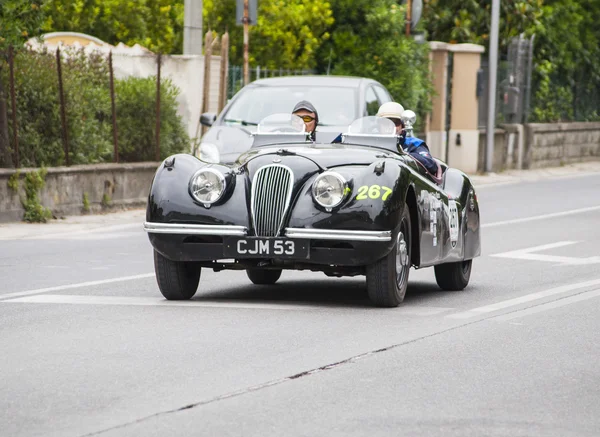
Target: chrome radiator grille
(270, 199)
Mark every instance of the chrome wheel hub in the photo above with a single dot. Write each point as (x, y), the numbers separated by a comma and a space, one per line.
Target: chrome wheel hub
(402, 261)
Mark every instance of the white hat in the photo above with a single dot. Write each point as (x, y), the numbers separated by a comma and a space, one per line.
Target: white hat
(391, 110)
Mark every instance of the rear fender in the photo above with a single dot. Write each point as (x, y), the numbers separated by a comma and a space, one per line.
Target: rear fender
(458, 186)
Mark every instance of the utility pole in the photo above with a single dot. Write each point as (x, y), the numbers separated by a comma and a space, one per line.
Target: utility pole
(408, 16)
(245, 21)
(192, 27)
(493, 70)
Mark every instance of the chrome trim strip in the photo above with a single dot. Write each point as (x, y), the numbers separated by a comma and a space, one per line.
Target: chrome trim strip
(336, 234)
(188, 229)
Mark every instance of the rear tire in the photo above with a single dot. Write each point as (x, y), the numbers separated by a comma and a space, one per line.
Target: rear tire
(387, 279)
(263, 277)
(453, 276)
(176, 280)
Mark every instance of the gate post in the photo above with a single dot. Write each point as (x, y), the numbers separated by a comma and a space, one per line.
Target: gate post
(435, 125)
(463, 138)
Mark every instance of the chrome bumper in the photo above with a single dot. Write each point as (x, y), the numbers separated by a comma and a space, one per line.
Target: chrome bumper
(170, 228)
(335, 234)
(242, 231)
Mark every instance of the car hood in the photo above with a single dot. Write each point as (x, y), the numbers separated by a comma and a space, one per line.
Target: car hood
(323, 155)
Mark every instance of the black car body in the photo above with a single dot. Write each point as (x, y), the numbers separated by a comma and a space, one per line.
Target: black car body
(360, 207)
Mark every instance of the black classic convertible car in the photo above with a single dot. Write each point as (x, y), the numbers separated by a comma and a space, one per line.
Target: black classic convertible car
(275, 200)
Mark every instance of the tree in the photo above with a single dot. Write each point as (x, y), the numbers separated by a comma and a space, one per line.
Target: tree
(19, 21)
(460, 21)
(567, 76)
(155, 24)
(287, 33)
(368, 40)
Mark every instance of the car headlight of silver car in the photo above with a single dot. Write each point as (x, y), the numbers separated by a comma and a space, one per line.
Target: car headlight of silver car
(207, 185)
(329, 189)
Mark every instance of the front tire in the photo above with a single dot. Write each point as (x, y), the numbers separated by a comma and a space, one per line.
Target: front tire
(176, 280)
(453, 276)
(263, 277)
(387, 279)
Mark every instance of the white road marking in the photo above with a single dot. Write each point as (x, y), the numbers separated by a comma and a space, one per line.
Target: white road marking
(540, 217)
(527, 254)
(522, 299)
(158, 301)
(550, 305)
(71, 286)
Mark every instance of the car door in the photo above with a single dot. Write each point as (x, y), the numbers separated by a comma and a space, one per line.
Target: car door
(435, 219)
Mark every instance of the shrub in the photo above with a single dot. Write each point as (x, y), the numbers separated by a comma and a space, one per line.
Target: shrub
(136, 114)
(88, 111)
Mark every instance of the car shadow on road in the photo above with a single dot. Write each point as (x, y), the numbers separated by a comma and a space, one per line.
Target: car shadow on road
(333, 292)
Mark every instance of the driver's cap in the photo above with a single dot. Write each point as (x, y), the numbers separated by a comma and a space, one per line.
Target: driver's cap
(391, 110)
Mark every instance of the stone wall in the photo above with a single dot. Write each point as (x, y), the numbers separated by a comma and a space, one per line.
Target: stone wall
(551, 145)
(106, 186)
(532, 146)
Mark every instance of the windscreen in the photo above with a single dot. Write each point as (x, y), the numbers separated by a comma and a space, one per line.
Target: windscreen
(336, 106)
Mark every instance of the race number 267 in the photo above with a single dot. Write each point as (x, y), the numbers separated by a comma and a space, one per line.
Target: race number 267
(373, 192)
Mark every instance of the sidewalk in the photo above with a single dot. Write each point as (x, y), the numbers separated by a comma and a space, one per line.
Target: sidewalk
(134, 218)
(109, 222)
(515, 176)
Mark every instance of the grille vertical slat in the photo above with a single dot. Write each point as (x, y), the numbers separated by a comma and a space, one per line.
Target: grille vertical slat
(261, 213)
(271, 194)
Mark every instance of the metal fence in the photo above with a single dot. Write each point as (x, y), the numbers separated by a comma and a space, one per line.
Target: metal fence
(516, 98)
(14, 149)
(514, 77)
(236, 76)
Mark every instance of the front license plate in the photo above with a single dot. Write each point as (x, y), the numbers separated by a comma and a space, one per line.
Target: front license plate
(256, 247)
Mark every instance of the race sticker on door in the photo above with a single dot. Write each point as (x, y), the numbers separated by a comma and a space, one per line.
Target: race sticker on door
(453, 222)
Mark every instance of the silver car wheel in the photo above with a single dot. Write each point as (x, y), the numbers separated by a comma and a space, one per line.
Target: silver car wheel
(402, 261)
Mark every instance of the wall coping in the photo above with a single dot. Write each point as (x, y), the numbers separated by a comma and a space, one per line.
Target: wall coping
(438, 45)
(557, 127)
(85, 168)
(466, 48)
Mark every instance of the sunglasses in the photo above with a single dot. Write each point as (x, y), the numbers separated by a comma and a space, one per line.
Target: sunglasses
(306, 118)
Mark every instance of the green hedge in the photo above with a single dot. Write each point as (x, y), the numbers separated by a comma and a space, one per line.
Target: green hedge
(88, 110)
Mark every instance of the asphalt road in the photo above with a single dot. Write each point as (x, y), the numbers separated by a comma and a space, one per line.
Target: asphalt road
(90, 347)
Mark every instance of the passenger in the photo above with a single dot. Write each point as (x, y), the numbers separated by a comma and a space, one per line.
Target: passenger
(307, 112)
(416, 147)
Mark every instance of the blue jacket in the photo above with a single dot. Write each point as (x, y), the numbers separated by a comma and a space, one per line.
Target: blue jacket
(418, 149)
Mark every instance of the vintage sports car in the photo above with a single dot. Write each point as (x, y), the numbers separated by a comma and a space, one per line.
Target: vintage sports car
(359, 207)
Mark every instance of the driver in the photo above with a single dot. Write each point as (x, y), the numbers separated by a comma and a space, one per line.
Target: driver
(307, 112)
(416, 147)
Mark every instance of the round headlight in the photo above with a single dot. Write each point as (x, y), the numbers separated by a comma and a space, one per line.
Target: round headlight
(207, 185)
(329, 189)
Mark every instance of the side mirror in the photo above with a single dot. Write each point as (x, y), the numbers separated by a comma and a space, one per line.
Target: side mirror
(208, 118)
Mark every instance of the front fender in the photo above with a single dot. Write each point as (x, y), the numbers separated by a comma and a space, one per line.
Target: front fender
(364, 207)
(169, 200)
